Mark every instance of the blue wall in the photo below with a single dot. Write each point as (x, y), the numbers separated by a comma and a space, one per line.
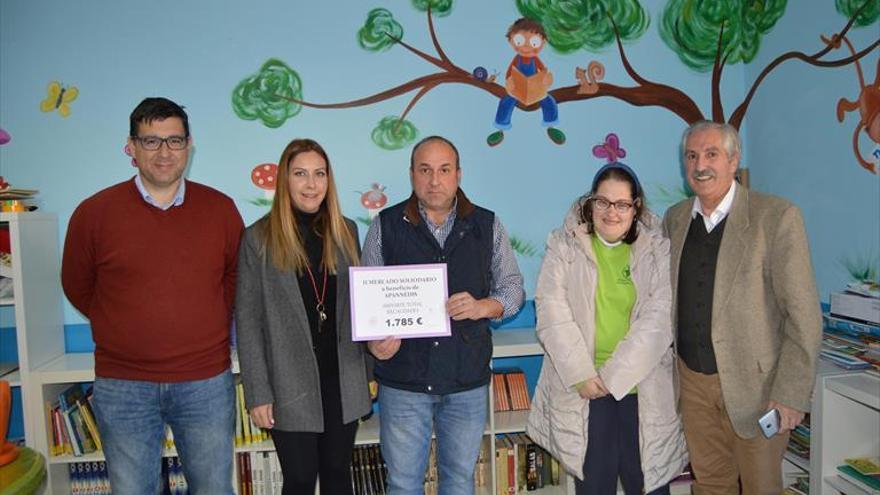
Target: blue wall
(117, 52)
(798, 150)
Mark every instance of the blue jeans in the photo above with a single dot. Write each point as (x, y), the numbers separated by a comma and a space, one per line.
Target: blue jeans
(132, 415)
(405, 424)
(549, 112)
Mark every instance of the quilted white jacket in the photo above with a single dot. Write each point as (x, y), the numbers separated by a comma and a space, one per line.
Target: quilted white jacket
(565, 302)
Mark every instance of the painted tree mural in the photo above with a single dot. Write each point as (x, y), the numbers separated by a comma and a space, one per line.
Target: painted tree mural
(707, 36)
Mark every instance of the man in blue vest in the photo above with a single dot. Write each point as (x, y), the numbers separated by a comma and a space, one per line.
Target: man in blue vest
(440, 383)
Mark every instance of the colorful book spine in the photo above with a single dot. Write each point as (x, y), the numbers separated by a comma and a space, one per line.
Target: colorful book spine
(849, 326)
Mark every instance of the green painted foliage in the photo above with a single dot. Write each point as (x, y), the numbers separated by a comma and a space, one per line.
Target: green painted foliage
(265, 95)
(261, 202)
(440, 8)
(523, 248)
(374, 35)
(866, 18)
(863, 267)
(691, 28)
(575, 24)
(392, 134)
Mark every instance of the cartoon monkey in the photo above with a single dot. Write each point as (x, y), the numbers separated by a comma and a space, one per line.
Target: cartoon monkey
(868, 105)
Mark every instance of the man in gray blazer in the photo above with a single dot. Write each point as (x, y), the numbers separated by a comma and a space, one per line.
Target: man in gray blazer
(747, 317)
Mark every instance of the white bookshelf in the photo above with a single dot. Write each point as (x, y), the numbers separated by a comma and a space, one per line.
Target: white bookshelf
(845, 423)
(519, 342)
(36, 303)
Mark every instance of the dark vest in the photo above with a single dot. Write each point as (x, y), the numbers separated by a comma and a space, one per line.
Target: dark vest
(442, 365)
(696, 286)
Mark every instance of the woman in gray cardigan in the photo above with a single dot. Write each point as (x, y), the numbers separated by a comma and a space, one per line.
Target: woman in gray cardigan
(303, 376)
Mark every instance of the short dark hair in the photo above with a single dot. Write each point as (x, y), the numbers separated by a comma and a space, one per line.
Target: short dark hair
(156, 108)
(528, 25)
(433, 139)
(638, 196)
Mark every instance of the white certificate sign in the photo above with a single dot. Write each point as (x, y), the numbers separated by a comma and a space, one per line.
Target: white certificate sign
(403, 301)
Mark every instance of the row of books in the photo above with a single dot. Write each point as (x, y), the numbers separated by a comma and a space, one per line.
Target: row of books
(72, 422)
(510, 389)
(522, 465)
(246, 432)
(258, 473)
(91, 478)
(74, 429)
(369, 472)
(852, 327)
(799, 441)
(800, 486)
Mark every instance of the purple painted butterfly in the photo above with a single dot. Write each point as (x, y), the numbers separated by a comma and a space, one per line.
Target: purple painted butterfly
(610, 150)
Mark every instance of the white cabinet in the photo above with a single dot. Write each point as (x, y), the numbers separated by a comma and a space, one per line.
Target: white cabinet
(845, 423)
(36, 303)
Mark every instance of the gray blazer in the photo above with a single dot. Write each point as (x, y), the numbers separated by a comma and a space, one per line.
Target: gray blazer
(278, 365)
(766, 320)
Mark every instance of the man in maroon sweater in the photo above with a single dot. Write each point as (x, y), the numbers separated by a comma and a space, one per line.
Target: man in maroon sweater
(151, 263)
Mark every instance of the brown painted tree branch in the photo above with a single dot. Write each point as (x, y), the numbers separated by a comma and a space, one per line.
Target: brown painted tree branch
(737, 117)
(434, 39)
(717, 107)
(646, 93)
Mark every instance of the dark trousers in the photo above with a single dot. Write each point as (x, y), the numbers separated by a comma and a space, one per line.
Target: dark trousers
(306, 456)
(613, 449)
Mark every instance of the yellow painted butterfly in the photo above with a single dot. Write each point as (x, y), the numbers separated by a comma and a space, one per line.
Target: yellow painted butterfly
(59, 98)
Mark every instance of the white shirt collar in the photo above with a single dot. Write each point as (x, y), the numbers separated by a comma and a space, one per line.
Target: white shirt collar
(720, 213)
(176, 201)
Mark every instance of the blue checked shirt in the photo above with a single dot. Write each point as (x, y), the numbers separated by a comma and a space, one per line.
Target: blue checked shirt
(505, 279)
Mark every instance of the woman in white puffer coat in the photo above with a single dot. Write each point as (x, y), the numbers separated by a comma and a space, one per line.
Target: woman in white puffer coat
(605, 405)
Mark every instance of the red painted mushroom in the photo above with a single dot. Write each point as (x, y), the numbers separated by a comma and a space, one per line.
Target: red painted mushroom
(263, 176)
(374, 199)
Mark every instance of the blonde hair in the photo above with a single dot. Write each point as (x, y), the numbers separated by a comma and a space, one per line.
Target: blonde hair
(281, 235)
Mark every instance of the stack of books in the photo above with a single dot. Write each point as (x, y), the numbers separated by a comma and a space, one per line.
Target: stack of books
(12, 199)
(799, 441)
(510, 390)
(852, 327)
(863, 472)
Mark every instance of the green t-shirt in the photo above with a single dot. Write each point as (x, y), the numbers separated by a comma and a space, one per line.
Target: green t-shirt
(615, 296)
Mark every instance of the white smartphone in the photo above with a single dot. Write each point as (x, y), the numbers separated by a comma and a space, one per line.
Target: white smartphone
(769, 423)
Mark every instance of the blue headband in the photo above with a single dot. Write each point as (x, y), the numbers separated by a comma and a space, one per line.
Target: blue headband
(619, 166)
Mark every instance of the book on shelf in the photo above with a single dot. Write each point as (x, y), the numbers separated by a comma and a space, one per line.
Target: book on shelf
(855, 307)
(89, 478)
(501, 480)
(870, 484)
(869, 466)
(522, 465)
(800, 486)
(862, 346)
(867, 289)
(850, 326)
(88, 417)
(844, 360)
(510, 390)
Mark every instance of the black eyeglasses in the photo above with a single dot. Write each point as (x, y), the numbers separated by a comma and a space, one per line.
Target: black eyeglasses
(153, 143)
(602, 204)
